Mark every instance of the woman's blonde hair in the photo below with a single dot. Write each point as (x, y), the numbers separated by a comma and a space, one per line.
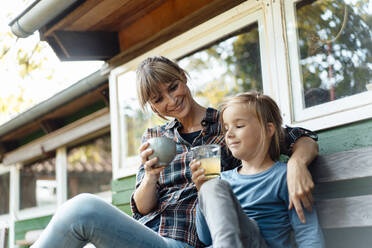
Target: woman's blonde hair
(153, 71)
(266, 111)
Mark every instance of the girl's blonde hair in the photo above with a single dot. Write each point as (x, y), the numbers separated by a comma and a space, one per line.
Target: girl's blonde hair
(266, 111)
(153, 71)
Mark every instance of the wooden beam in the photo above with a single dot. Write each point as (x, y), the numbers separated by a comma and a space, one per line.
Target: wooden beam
(87, 127)
(343, 166)
(100, 12)
(91, 45)
(50, 125)
(170, 12)
(72, 17)
(345, 212)
(125, 16)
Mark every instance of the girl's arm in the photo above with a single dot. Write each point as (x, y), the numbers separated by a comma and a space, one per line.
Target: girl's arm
(309, 235)
(299, 180)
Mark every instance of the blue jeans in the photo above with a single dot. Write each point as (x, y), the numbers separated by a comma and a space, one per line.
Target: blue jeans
(88, 219)
(221, 220)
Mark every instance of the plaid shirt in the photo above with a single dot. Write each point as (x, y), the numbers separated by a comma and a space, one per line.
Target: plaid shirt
(177, 194)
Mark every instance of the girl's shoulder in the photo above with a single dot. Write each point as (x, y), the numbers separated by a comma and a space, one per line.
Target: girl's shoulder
(280, 168)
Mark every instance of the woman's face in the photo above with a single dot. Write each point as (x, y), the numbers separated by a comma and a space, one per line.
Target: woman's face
(174, 100)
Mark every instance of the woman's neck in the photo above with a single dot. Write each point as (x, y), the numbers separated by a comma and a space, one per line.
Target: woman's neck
(192, 121)
(256, 165)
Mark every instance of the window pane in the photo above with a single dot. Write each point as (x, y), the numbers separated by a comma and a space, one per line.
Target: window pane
(335, 44)
(226, 67)
(89, 167)
(38, 184)
(134, 120)
(4, 193)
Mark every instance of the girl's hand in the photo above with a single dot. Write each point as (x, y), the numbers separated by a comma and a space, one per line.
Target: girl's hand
(198, 176)
(151, 173)
(300, 186)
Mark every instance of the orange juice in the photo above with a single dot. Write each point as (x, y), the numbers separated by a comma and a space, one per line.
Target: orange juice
(212, 167)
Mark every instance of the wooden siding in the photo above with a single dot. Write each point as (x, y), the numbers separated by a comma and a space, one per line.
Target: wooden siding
(122, 190)
(345, 138)
(23, 226)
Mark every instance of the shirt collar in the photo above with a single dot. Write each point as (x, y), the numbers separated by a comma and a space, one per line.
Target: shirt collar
(211, 116)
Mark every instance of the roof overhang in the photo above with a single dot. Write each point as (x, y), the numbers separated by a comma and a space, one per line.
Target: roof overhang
(119, 30)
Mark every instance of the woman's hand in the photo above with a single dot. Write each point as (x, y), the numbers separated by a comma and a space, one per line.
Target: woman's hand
(299, 180)
(300, 187)
(145, 195)
(151, 173)
(198, 176)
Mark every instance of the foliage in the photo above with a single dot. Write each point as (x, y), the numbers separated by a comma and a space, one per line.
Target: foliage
(336, 51)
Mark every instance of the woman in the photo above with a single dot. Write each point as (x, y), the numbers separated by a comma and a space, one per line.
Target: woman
(165, 198)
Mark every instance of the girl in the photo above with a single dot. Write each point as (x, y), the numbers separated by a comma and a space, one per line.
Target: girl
(251, 201)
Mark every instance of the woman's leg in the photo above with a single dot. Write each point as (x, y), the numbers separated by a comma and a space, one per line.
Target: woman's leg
(229, 226)
(87, 218)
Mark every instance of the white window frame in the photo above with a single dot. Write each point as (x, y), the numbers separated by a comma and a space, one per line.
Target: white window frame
(228, 22)
(342, 111)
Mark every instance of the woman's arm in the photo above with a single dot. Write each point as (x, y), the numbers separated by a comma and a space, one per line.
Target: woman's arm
(299, 180)
(145, 196)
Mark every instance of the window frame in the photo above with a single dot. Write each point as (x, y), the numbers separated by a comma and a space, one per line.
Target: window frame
(334, 113)
(212, 30)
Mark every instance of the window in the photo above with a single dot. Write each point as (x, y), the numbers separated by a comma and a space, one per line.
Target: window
(134, 121)
(330, 44)
(226, 67)
(38, 185)
(89, 168)
(4, 193)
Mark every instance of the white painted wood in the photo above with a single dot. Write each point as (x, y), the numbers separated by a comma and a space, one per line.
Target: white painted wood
(14, 201)
(64, 136)
(115, 125)
(282, 72)
(61, 175)
(4, 169)
(36, 212)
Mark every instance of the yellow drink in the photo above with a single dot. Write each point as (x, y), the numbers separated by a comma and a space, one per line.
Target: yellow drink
(212, 167)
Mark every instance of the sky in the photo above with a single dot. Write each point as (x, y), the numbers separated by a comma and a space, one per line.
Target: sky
(39, 85)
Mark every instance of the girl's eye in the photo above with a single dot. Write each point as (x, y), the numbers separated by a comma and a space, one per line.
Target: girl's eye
(239, 126)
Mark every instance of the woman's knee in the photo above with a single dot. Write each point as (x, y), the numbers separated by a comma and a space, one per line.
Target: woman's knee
(82, 206)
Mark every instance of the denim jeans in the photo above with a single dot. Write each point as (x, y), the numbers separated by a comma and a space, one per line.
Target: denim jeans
(221, 220)
(88, 219)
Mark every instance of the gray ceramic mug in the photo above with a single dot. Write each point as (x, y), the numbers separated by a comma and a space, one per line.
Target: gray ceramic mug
(164, 148)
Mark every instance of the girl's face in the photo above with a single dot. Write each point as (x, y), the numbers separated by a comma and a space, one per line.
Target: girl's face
(243, 132)
(174, 100)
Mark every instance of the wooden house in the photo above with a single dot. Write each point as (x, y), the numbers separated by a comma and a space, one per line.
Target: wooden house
(312, 56)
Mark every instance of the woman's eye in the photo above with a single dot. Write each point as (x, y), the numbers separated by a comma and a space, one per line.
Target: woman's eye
(239, 126)
(158, 100)
(173, 87)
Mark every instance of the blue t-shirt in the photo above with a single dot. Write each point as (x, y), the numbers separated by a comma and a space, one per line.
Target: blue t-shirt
(264, 198)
